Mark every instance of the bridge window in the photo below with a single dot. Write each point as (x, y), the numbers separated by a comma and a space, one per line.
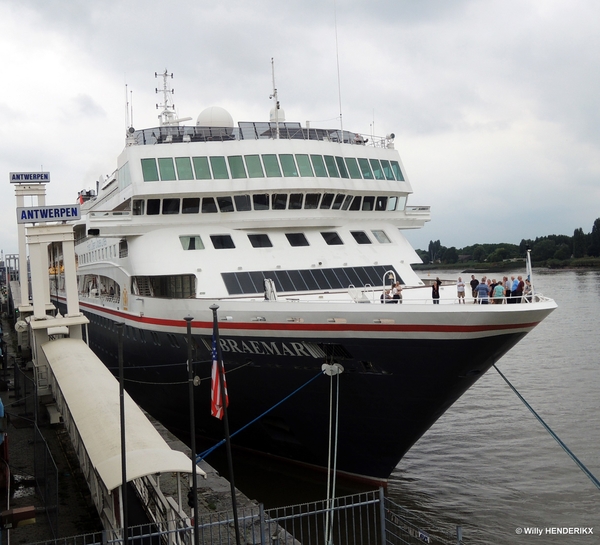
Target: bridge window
(377, 170)
(368, 203)
(271, 165)
(387, 170)
(149, 170)
(225, 204)
(365, 169)
(353, 168)
(170, 206)
(296, 201)
(261, 201)
(138, 207)
(341, 166)
(167, 169)
(254, 166)
(331, 166)
(397, 171)
(326, 201)
(201, 168)
(236, 165)
(381, 203)
(319, 166)
(219, 167)
(153, 207)
(280, 201)
(190, 205)
(288, 165)
(184, 168)
(356, 203)
(242, 203)
(208, 205)
(304, 165)
(311, 201)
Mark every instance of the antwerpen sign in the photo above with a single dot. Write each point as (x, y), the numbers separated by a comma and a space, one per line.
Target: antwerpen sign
(42, 214)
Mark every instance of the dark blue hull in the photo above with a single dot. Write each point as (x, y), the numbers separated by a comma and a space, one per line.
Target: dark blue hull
(390, 393)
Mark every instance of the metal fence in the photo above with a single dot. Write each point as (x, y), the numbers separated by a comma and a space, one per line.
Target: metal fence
(362, 519)
(46, 479)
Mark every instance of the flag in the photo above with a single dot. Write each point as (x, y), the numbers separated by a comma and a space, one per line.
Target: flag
(216, 403)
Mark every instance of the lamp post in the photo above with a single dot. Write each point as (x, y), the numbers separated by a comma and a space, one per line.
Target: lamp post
(188, 320)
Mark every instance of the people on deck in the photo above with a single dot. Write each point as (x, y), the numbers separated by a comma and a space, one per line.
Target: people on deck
(474, 283)
(435, 291)
(483, 292)
(460, 290)
(397, 293)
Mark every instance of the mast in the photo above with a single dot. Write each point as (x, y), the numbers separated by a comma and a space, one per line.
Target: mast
(168, 117)
(274, 95)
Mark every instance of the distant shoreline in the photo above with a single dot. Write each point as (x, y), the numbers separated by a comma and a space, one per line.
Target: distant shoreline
(581, 264)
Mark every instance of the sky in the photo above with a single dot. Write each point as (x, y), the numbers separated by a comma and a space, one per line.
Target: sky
(494, 103)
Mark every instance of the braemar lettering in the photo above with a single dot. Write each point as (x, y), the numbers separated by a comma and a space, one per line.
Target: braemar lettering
(268, 348)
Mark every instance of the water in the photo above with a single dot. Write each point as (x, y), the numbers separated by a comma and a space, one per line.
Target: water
(488, 464)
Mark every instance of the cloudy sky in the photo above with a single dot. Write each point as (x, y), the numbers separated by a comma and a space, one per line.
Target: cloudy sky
(494, 103)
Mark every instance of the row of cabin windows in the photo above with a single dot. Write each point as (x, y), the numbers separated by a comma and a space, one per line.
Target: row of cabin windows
(270, 166)
(261, 240)
(266, 201)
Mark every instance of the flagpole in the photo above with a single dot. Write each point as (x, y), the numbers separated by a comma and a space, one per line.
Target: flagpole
(220, 374)
(188, 320)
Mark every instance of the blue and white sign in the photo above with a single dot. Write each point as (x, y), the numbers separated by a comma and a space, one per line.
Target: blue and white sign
(29, 177)
(43, 214)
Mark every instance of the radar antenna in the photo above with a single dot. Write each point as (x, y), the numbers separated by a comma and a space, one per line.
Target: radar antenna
(274, 95)
(167, 117)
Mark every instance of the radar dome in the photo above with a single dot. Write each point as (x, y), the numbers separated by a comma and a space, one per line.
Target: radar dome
(215, 117)
(277, 112)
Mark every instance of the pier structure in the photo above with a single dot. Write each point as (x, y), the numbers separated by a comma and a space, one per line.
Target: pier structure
(78, 390)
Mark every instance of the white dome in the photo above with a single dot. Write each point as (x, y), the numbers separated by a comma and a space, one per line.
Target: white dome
(215, 116)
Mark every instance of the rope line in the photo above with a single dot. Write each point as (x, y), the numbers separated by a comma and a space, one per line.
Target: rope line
(204, 454)
(587, 472)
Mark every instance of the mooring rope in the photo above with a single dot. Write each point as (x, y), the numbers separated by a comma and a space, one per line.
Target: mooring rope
(549, 430)
(204, 454)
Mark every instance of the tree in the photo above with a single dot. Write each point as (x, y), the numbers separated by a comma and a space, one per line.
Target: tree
(542, 250)
(451, 255)
(434, 250)
(594, 248)
(563, 252)
(579, 243)
(479, 254)
(499, 254)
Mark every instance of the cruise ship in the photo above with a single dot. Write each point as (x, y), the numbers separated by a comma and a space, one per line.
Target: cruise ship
(296, 233)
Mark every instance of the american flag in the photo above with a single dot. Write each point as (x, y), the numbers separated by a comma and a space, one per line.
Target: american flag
(216, 402)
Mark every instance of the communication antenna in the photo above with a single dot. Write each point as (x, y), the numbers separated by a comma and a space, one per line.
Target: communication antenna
(274, 95)
(167, 117)
(337, 59)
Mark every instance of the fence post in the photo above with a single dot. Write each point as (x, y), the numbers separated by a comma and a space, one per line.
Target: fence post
(382, 515)
(261, 515)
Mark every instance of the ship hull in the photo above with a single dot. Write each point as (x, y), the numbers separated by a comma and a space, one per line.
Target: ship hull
(393, 388)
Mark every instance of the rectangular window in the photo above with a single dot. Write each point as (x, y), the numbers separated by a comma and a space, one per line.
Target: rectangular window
(254, 166)
(381, 237)
(377, 170)
(288, 165)
(280, 201)
(225, 204)
(392, 202)
(236, 166)
(311, 201)
(368, 203)
(219, 167)
(149, 170)
(296, 239)
(326, 201)
(337, 203)
(153, 207)
(361, 237)
(170, 206)
(319, 166)
(242, 203)
(295, 201)
(208, 205)
(365, 169)
(191, 242)
(166, 168)
(190, 205)
(397, 171)
(222, 242)
(271, 165)
(304, 165)
(356, 203)
(341, 166)
(381, 204)
(332, 238)
(331, 166)
(353, 168)
(387, 170)
(261, 201)
(184, 168)
(347, 202)
(201, 168)
(138, 207)
(260, 241)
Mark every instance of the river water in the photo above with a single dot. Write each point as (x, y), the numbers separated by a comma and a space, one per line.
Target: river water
(488, 464)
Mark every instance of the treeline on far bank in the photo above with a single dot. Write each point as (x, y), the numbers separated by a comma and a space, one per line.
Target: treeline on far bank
(554, 251)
